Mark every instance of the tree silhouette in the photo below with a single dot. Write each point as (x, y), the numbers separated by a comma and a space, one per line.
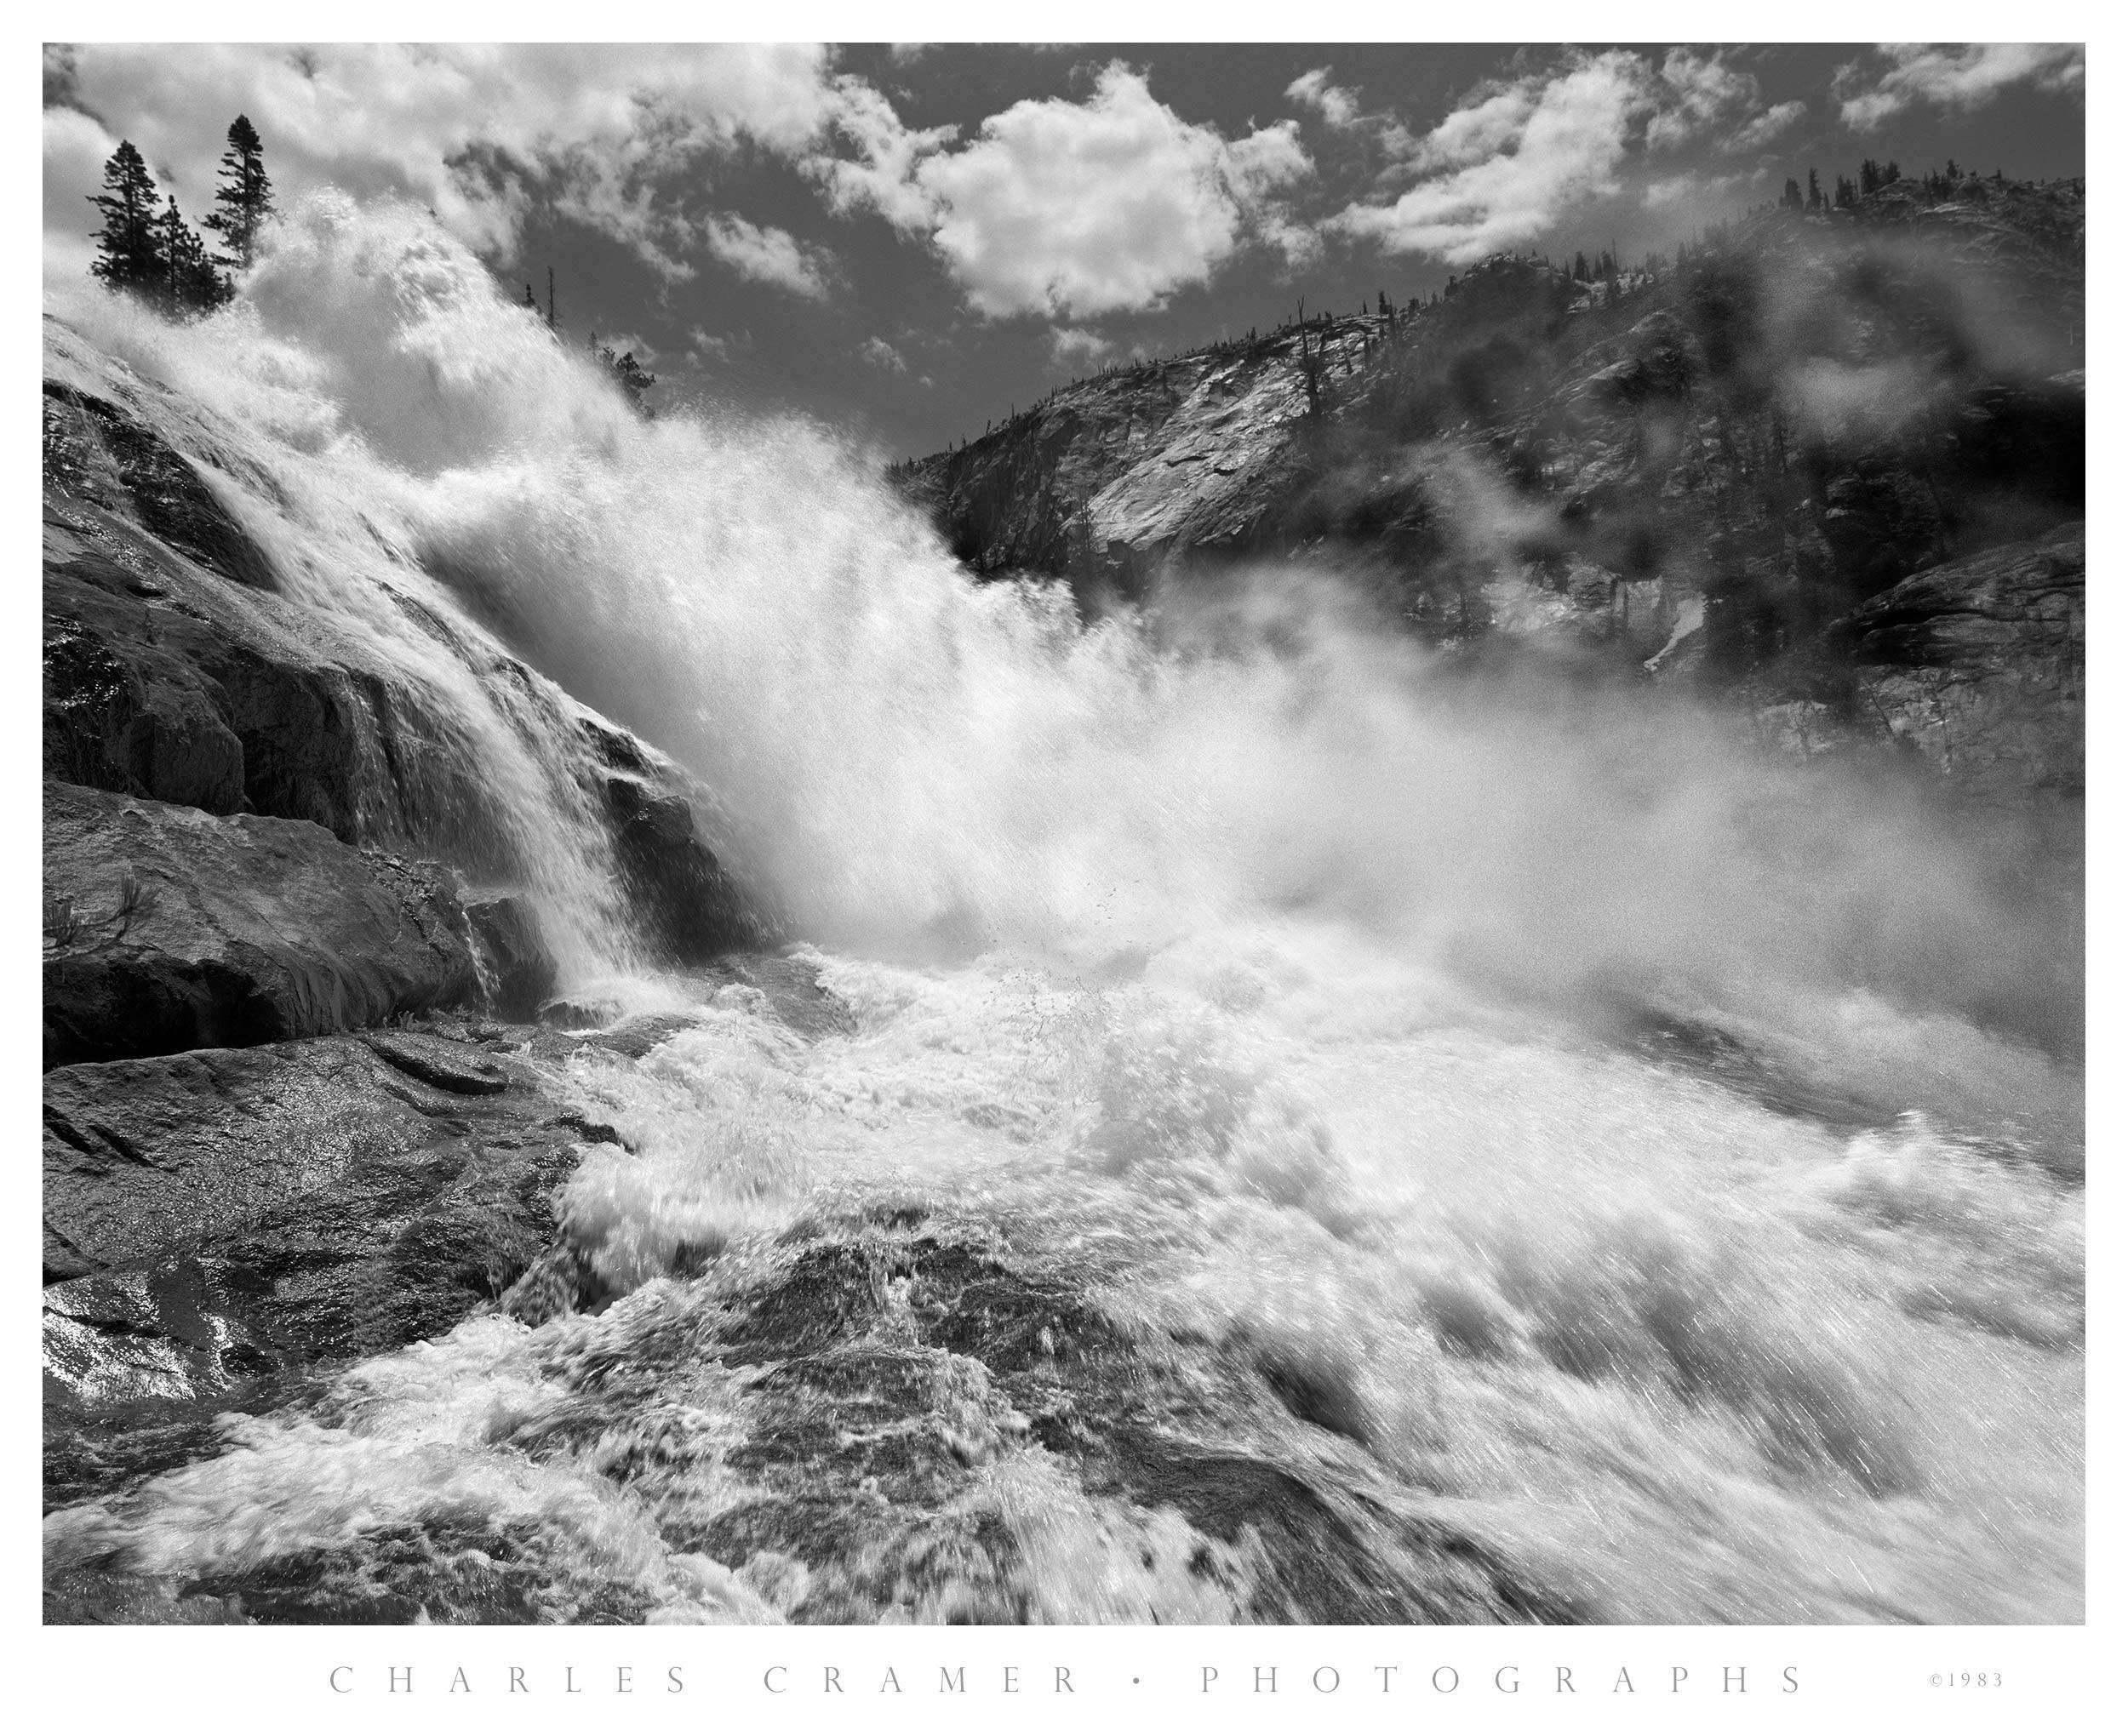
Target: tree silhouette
(244, 194)
(630, 375)
(191, 284)
(1875, 175)
(131, 254)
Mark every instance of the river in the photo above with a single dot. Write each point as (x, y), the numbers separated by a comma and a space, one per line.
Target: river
(1653, 1161)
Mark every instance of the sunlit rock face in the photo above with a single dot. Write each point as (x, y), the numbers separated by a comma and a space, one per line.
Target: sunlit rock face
(1688, 473)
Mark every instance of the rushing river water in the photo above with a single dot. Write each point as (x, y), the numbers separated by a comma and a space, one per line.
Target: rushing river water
(1658, 1164)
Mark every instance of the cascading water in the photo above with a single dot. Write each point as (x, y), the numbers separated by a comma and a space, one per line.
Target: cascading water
(1276, 976)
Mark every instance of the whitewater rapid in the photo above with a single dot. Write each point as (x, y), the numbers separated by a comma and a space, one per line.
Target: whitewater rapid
(1290, 983)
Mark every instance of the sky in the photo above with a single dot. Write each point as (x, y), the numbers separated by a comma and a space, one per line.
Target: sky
(908, 241)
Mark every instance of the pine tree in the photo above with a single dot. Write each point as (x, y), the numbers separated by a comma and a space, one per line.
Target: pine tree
(191, 284)
(131, 255)
(1791, 194)
(1581, 267)
(243, 193)
(1816, 198)
(630, 375)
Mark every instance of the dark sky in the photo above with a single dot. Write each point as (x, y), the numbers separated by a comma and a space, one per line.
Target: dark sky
(909, 241)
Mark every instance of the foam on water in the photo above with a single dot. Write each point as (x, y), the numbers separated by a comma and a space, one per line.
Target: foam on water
(1272, 970)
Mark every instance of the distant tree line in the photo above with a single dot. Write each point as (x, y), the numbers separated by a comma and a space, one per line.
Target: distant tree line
(146, 248)
(1385, 328)
(1874, 177)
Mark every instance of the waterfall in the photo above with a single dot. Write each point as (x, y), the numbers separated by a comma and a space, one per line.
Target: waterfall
(1241, 932)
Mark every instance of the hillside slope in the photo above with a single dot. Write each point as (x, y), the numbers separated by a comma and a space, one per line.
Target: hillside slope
(1697, 469)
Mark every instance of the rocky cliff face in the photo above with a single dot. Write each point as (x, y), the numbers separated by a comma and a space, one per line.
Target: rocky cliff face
(1693, 472)
(178, 666)
(1979, 665)
(273, 861)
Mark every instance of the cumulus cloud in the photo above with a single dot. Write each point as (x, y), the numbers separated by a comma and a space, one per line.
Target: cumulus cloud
(714, 349)
(594, 191)
(1074, 347)
(1698, 96)
(1339, 107)
(76, 147)
(1495, 118)
(1074, 209)
(882, 177)
(1056, 207)
(1956, 78)
(883, 355)
(1702, 91)
(1760, 131)
(1675, 191)
(1499, 169)
(1503, 166)
(628, 343)
(768, 255)
(473, 132)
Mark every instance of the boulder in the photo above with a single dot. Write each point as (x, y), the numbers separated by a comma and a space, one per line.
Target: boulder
(168, 928)
(219, 1221)
(168, 1155)
(684, 906)
(517, 971)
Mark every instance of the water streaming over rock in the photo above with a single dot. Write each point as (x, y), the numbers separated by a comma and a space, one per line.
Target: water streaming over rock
(1595, 1164)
